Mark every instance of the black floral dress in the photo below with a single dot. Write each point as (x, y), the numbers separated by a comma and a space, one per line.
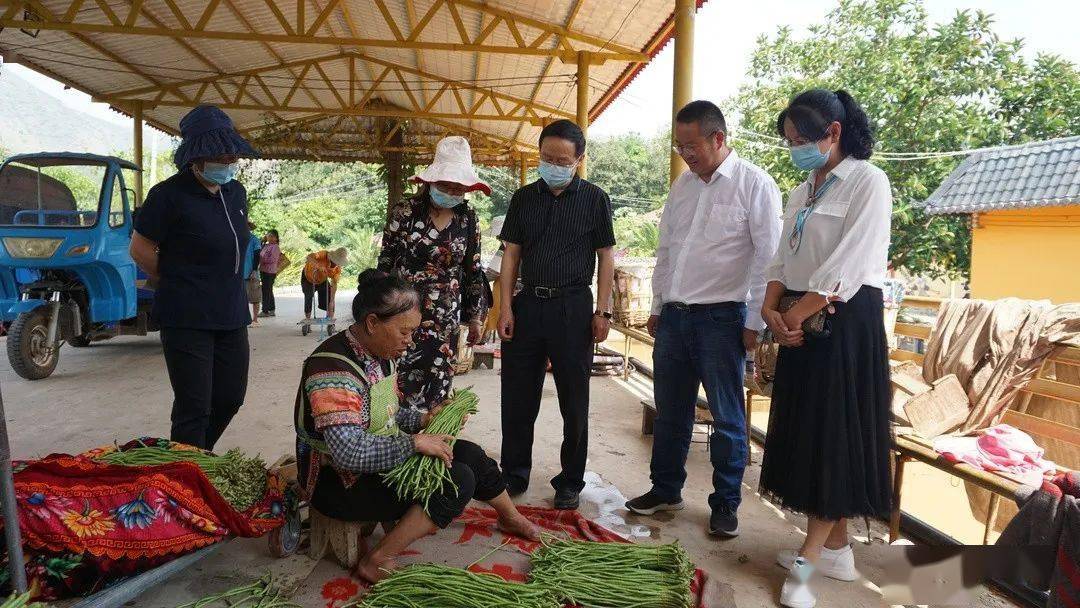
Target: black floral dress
(444, 266)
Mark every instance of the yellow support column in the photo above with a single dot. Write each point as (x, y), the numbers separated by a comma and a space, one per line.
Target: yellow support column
(523, 169)
(583, 102)
(682, 88)
(137, 117)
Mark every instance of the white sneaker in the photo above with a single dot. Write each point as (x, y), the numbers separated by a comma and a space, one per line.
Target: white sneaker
(834, 563)
(796, 591)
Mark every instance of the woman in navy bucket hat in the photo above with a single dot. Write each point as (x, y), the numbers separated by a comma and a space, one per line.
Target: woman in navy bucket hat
(190, 236)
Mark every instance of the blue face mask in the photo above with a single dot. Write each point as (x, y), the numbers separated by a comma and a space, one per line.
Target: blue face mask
(444, 200)
(556, 176)
(218, 173)
(808, 157)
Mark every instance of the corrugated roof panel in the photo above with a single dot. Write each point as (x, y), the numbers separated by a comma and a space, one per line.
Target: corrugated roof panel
(1044, 173)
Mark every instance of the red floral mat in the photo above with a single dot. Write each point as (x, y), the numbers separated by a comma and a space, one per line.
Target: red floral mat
(86, 524)
(473, 536)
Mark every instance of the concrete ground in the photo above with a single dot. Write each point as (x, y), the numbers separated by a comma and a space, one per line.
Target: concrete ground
(118, 389)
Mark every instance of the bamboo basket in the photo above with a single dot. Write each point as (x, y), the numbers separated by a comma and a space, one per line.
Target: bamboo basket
(633, 291)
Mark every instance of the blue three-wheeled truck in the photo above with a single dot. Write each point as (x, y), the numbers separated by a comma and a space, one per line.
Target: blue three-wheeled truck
(66, 276)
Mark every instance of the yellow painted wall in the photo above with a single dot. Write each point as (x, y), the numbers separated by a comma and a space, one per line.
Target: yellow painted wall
(1027, 253)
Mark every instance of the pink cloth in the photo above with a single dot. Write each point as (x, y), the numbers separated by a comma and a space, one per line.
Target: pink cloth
(1000, 448)
(270, 258)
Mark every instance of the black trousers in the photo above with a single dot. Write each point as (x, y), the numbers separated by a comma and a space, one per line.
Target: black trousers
(370, 499)
(560, 330)
(208, 370)
(268, 304)
(310, 289)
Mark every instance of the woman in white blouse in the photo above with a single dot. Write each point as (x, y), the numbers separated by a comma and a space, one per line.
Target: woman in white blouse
(827, 449)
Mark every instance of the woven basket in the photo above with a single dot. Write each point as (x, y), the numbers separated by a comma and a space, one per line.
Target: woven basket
(633, 291)
(464, 352)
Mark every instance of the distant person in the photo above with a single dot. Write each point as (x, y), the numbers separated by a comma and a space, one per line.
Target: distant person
(719, 229)
(322, 271)
(827, 449)
(190, 237)
(252, 284)
(271, 262)
(432, 240)
(556, 230)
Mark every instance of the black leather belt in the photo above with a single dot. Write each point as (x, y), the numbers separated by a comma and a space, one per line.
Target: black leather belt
(547, 293)
(696, 307)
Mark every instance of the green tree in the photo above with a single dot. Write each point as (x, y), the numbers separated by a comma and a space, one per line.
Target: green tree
(632, 169)
(953, 86)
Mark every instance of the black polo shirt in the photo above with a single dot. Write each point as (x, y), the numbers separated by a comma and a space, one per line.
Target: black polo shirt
(559, 235)
(201, 251)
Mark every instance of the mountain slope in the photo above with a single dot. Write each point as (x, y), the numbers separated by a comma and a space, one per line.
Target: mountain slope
(31, 120)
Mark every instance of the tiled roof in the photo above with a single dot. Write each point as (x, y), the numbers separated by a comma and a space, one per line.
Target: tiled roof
(1037, 174)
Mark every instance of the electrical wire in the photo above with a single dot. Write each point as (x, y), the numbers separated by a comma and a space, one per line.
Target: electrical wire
(899, 156)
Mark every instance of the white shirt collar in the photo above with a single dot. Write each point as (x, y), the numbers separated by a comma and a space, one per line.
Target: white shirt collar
(846, 166)
(726, 168)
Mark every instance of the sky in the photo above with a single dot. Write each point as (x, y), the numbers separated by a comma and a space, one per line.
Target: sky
(724, 40)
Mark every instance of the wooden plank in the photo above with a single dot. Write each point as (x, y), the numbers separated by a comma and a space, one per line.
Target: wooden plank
(636, 334)
(912, 330)
(1069, 355)
(922, 302)
(905, 355)
(1053, 389)
(984, 479)
(1043, 427)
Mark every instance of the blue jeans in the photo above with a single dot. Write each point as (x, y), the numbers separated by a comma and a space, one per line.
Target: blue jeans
(702, 345)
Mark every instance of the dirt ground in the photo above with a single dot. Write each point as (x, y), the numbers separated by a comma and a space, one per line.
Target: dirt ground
(118, 389)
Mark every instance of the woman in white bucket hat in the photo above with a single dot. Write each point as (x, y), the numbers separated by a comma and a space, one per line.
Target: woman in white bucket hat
(432, 240)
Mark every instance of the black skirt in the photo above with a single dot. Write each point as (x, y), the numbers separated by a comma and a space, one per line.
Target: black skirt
(827, 449)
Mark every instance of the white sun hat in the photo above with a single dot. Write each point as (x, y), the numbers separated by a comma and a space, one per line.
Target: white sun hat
(453, 163)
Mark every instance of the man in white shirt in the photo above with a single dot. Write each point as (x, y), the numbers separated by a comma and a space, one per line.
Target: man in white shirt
(719, 229)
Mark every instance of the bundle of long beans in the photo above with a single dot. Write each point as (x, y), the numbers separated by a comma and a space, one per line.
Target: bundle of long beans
(241, 480)
(262, 593)
(434, 585)
(21, 601)
(614, 575)
(419, 477)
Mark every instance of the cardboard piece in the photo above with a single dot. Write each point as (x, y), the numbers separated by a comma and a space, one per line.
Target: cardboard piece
(939, 410)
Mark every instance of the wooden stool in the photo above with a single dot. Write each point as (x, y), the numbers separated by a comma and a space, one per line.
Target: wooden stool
(347, 540)
(484, 356)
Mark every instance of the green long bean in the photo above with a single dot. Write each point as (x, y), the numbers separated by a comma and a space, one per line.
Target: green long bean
(262, 593)
(241, 480)
(421, 476)
(614, 575)
(434, 585)
(21, 601)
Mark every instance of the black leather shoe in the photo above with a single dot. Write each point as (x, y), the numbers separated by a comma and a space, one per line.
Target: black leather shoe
(566, 500)
(724, 523)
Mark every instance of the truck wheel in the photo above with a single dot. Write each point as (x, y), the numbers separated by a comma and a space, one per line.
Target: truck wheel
(26, 346)
(79, 341)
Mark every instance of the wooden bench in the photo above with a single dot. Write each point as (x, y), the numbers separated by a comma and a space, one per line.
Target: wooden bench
(1045, 384)
(702, 415)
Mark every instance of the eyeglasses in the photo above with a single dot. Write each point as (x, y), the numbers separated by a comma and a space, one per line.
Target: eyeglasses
(682, 149)
(562, 164)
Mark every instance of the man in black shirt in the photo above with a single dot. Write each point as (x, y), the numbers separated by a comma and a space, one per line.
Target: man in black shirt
(555, 231)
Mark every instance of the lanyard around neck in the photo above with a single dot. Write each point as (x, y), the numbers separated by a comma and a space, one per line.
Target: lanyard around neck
(795, 239)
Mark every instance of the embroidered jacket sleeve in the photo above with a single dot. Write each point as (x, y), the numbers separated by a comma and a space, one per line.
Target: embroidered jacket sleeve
(340, 406)
(473, 304)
